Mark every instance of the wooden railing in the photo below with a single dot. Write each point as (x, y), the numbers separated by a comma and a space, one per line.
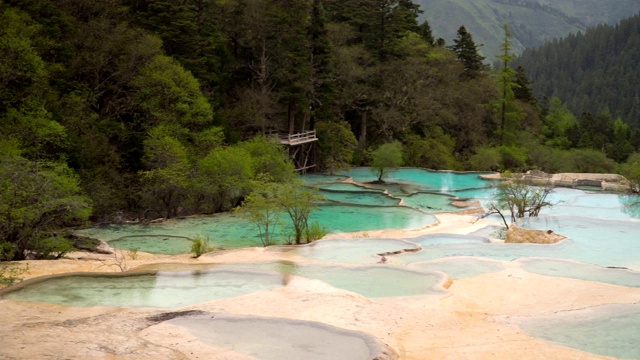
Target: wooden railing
(298, 138)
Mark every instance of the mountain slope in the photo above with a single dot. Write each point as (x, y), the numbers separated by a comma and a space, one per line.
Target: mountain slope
(591, 72)
(532, 22)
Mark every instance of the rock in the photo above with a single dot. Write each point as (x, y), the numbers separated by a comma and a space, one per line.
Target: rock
(607, 182)
(90, 244)
(466, 203)
(103, 248)
(517, 234)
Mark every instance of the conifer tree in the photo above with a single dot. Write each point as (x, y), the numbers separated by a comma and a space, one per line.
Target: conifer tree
(523, 90)
(322, 94)
(424, 30)
(467, 53)
(509, 112)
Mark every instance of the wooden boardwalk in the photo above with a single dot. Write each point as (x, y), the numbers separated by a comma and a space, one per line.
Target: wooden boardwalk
(301, 148)
(298, 138)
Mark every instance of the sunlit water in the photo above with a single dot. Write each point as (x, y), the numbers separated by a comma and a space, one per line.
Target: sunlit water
(425, 180)
(348, 207)
(230, 231)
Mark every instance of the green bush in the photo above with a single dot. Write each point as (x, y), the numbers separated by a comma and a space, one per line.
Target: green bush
(631, 170)
(7, 250)
(588, 161)
(49, 248)
(315, 231)
(513, 158)
(200, 246)
(485, 159)
(434, 152)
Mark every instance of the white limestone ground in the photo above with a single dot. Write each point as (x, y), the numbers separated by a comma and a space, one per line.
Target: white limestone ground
(467, 322)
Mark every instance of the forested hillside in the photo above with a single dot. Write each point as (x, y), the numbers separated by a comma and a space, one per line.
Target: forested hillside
(532, 21)
(116, 109)
(593, 71)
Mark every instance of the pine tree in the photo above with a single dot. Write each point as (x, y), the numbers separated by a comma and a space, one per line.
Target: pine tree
(510, 112)
(467, 53)
(523, 89)
(424, 30)
(322, 94)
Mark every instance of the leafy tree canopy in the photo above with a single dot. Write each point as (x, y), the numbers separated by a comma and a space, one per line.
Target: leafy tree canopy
(386, 158)
(36, 199)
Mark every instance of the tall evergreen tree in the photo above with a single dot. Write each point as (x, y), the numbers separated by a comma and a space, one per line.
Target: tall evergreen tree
(425, 32)
(523, 89)
(467, 53)
(322, 94)
(510, 113)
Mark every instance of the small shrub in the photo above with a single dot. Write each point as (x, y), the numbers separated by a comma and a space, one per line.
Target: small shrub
(133, 253)
(200, 246)
(7, 250)
(315, 231)
(11, 274)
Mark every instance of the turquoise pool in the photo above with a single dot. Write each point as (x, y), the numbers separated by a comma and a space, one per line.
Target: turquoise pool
(603, 243)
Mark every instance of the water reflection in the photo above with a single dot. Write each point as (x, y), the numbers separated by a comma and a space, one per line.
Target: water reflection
(631, 204)
(162, 289)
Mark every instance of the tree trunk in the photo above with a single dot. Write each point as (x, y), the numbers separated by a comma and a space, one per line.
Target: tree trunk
(291, 118)
(362, 139)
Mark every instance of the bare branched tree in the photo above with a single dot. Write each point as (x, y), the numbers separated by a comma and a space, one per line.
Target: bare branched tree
(520, 197)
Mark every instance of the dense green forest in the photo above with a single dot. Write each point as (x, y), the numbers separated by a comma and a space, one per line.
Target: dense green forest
(533, 22)
(591, 71)
(117, 109)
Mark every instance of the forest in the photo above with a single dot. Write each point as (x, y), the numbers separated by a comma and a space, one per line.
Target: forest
(533, 22)
(120, 109)
(591, 71)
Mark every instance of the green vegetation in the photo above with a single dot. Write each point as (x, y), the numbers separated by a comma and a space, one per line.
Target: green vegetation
(593, 71)
(467, 53)
(385, 159)
(36, 198)
(269, 201)
(520, 198)
(510, 114)
(200, 246)
(315, 231)
(298, 201)
(11, 273)
(261, 208)
(133, 253)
